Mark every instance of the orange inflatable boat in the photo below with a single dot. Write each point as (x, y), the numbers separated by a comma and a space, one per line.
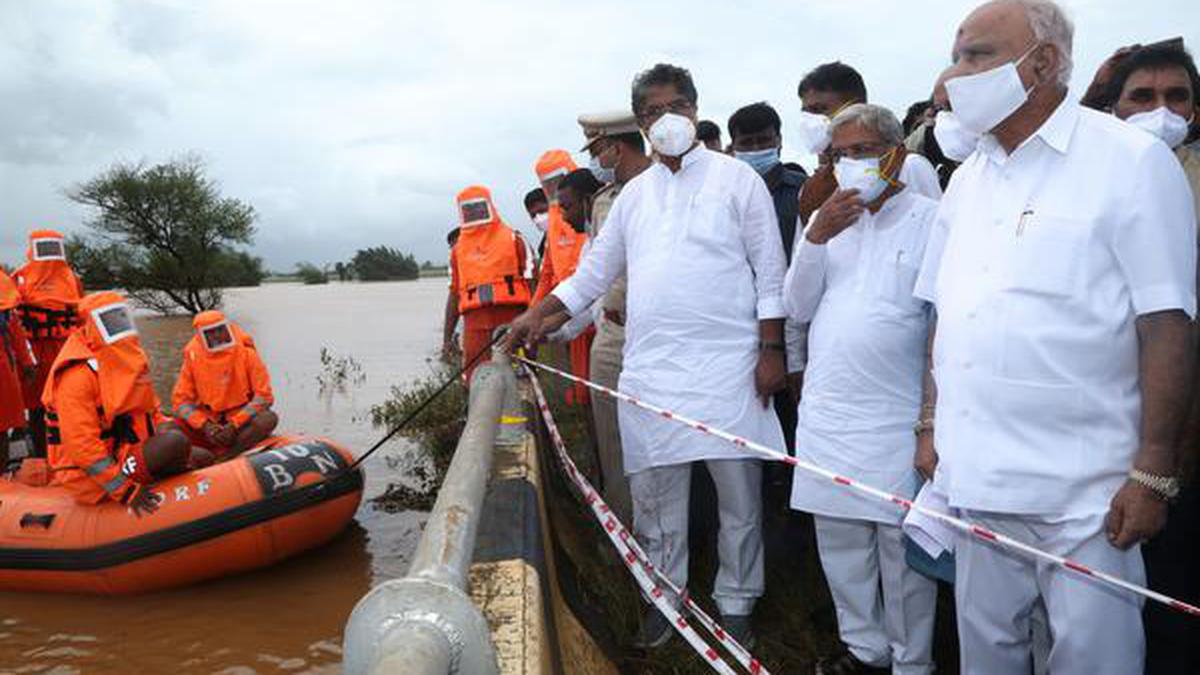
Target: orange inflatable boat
(271, 503)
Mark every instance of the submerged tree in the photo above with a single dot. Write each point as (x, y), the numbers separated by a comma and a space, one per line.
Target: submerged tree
(383, 263)
(166, 234)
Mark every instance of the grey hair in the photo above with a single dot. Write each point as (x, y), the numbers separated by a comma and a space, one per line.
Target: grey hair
(1051, 25)
(874, 117)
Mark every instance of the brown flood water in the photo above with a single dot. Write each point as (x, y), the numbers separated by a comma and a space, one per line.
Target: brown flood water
(289, 618)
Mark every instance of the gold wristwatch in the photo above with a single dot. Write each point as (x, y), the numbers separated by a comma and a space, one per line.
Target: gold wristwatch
(1166, 487)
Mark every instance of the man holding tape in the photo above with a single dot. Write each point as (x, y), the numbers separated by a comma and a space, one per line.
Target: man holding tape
(697, 235)
(1062, 352)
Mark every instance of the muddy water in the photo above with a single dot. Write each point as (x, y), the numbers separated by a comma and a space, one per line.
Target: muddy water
(287, 619)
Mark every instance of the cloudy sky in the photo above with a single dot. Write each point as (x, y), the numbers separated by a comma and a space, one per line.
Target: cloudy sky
(350, 124)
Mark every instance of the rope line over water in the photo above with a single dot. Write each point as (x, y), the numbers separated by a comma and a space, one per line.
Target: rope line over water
(432, 397)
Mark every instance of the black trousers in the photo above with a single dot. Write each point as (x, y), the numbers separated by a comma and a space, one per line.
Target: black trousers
(1173, 567)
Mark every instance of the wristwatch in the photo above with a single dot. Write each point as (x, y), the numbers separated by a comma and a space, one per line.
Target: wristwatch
(772, 346)
(1166, 487)
(922, 426)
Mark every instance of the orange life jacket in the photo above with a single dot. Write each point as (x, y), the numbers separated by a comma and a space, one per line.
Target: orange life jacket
(220, 375)
(487, 264)
(563, 245)
(10, 295)
(122, 412)
(49, 289)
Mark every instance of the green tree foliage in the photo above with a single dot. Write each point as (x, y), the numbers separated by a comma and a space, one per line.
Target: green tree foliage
(311, 274)
(165, 234)
(383, 263)
(95, 265)
(239, 268)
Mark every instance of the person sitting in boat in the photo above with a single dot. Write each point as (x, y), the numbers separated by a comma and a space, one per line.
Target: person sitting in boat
(223, 395)
(17, 363)
(107, 437)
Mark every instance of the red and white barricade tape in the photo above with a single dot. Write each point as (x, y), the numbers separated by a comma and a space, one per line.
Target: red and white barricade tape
(906, 504)
(639, 564)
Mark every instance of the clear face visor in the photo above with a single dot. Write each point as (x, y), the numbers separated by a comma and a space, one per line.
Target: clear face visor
(475, 212)
(48, 249)
(217, 337)
(114, 322)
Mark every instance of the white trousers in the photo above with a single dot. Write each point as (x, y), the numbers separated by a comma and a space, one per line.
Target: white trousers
(885, 609)
(660, 523)
(605, 370)
(1095, 629)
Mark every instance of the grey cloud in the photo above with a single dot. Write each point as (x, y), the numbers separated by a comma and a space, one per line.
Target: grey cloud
(354, 124)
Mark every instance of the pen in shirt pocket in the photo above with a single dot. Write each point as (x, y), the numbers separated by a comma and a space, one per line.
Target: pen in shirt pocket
(1022, 220)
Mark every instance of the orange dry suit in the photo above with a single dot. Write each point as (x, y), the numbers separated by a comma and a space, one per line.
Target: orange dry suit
(49, 291)
(488, 271)
(222, 379)
(100, 405)
(15, 356)
(563, 248)
(563, 243)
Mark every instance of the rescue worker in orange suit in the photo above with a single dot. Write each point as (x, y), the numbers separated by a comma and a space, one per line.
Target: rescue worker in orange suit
(108, 440)
(49, 291)
(563, 247)
(490, 268)
(223, 397)
(16, 363)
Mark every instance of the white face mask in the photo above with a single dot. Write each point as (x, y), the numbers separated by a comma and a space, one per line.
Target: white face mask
(1164, 123)
(602, 174)
(815, 132)
(862, 175)
(672, 135)
(541, 221)
(984, 100)
(956, 142)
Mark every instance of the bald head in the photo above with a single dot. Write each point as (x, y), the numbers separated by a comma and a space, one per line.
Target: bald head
(1005, 30)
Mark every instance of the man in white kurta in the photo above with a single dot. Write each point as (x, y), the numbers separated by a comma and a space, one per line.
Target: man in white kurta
(1062, 267)
(852, 277)
(703, 255)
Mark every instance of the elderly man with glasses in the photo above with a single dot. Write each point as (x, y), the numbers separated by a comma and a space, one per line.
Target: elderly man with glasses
(696, 233)
(852, 276)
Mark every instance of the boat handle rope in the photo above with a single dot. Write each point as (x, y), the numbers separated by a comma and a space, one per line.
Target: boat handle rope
(977, 531)
(638, 563)
(500, 333)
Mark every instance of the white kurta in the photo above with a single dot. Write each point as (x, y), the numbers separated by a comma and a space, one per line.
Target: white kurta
(1050, 254)
(866, 357)
(705, 264)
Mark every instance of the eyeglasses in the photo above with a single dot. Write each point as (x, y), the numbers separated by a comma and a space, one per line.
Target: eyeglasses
(679, 106)
(858, 151)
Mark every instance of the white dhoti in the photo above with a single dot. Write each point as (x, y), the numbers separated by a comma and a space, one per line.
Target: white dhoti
(885, 609)
(660, 523)
(1096, 629)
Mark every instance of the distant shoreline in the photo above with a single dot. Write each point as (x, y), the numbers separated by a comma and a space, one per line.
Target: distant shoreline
(430, 273)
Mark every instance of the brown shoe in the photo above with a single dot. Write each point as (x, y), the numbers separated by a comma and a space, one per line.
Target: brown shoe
(847, 664)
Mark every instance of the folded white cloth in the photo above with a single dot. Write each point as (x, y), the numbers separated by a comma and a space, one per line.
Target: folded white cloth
(932, 535)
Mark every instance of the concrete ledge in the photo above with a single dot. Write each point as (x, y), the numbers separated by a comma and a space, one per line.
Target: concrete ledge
(512, 580)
